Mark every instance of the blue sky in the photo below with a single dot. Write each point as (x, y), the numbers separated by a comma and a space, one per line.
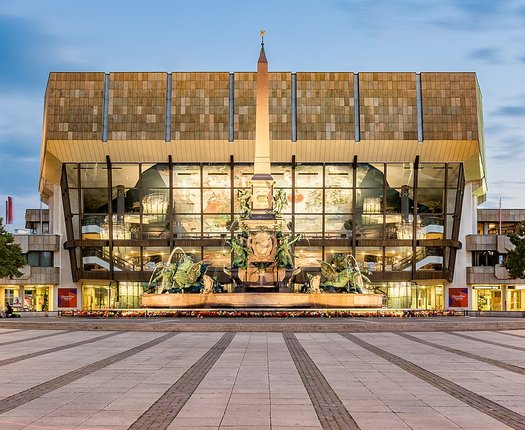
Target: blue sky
(485, 36)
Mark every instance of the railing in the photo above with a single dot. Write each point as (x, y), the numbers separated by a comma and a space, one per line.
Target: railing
(104, 255)
(407, 261)
(420, 255)
(431, 220)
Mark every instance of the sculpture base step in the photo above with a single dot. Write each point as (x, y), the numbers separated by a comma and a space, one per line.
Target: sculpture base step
(261, 289)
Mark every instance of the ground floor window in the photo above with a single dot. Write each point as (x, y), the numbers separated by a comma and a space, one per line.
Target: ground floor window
(498, 298)
(516, 298)
(28, 297)
(36, 298)
(129, 294)
(9, 294)
(397, 295)
(487, 298)
(99, 296)
(410, 295)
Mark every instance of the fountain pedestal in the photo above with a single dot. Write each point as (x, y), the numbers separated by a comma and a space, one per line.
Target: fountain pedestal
(261, 273)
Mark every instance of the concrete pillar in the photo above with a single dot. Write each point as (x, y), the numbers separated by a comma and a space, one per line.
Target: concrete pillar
(463, 258)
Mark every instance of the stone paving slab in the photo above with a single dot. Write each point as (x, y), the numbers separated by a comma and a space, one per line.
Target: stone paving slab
(255, 382)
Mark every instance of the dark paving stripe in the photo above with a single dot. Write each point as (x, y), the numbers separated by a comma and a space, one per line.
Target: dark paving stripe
(490, 342)
(34, 338)
(7, 361)
(491, 361)
(9, 331)
(482, 404)
(160, 415)
(37, 391)
(330, 410)
(512, 334)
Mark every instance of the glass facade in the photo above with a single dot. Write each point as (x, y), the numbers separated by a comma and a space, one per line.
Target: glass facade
(397, 219)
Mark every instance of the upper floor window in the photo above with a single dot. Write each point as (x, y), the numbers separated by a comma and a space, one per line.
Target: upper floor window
(40, 258)
(486, 258)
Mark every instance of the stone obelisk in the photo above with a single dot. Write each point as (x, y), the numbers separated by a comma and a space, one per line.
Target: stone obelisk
(262, 181)
(262, 224)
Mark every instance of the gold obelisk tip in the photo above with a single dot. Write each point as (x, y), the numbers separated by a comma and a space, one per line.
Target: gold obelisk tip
(262, 55)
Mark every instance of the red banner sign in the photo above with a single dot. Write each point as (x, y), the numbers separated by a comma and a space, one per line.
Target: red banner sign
(458, 297)
(67, 297)
(9, 210)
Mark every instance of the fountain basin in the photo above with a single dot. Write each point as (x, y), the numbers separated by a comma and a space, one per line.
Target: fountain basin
(262, 300)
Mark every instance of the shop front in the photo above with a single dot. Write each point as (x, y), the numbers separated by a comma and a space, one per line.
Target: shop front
(37, 298)
(411, 295)
(113, 295)
(487, 298)
(99, 296)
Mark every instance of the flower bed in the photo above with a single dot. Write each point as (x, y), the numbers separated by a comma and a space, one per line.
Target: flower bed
(247, 313)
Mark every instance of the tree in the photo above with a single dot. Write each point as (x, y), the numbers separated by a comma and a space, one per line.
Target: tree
(515, 261)
(11, 259)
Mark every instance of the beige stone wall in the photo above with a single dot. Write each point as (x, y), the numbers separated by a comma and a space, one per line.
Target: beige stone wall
(507, 215)
(33, 215)
(245, 87)
(137, 106)
(280, 88)
(35, 276)
(388, 106)
(449, 106)
(74, 106)
(490, 275)
(43, 242)
(199, 106)
(325, 106)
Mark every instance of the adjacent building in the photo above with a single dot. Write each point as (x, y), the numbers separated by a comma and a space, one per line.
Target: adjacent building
(492, 288)
(37, 288)
(387, 166)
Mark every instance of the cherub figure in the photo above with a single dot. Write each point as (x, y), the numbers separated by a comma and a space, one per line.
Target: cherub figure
(283, 254)
(279, 202)
(245, 197)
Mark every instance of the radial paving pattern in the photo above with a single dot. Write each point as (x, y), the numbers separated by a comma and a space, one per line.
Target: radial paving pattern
(145, 380)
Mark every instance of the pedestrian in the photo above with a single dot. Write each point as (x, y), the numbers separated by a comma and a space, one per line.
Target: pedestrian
(8, 310)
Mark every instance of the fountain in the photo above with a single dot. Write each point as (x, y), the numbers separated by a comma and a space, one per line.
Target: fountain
(262, 248)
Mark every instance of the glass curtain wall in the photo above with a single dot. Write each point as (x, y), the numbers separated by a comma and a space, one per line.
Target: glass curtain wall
(130, 215)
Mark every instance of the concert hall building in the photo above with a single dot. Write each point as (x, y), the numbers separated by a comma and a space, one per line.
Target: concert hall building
(386, 166)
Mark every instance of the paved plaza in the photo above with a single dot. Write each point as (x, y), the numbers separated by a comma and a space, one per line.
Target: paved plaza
(120, 379)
